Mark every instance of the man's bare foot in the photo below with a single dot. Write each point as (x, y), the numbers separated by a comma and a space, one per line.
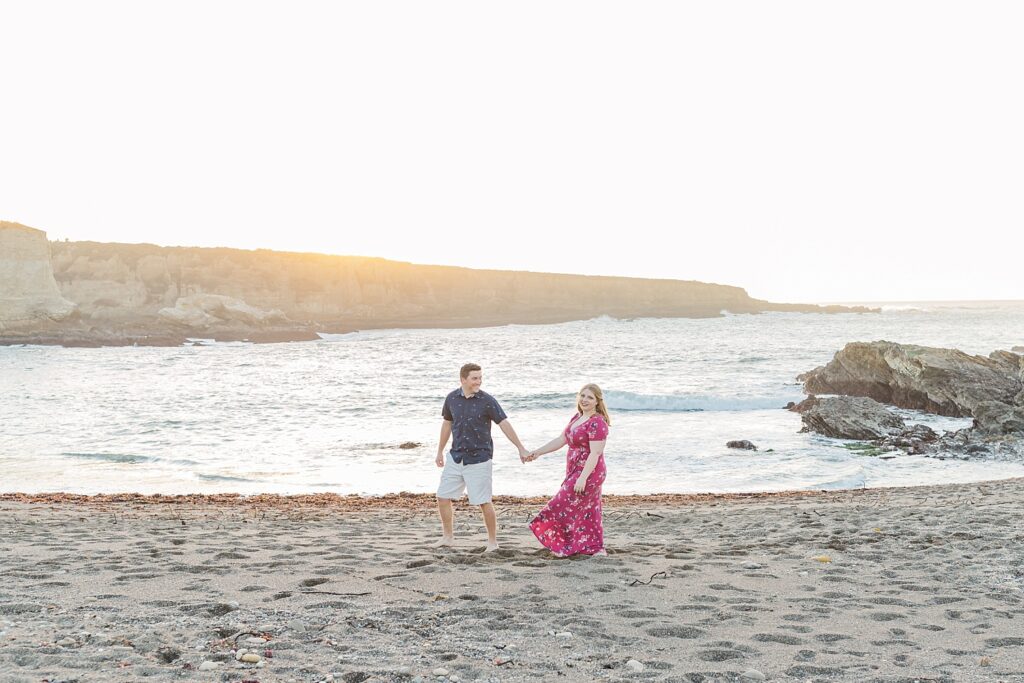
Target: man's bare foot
(445, 542)
(491, 546)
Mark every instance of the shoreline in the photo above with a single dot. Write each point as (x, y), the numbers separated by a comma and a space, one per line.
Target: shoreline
(145, 333)
(421, 501)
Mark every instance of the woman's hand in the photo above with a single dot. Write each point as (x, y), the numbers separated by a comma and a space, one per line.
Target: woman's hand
(580, 484)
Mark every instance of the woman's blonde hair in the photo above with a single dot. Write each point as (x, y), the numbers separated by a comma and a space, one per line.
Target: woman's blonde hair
(601, 409)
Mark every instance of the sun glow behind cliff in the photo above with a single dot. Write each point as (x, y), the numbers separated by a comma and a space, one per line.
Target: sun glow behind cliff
(800, 150)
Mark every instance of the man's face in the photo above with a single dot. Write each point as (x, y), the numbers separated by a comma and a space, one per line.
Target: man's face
(471, 384)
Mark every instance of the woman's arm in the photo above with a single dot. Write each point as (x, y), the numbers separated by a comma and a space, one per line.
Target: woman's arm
(596, 449)
(549, 447)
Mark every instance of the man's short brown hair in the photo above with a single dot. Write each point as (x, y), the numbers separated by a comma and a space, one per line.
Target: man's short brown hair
(468, 368)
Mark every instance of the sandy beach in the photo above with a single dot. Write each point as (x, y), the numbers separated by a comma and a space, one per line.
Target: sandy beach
(905, 584)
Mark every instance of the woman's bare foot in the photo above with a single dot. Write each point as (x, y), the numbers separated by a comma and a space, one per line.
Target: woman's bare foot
(600, 553)
(445, 542)
(491, 546)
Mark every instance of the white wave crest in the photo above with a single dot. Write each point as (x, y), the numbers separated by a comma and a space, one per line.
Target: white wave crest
(626, 400)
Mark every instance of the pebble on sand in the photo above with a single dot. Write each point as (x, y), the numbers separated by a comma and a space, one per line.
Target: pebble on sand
(634, 665)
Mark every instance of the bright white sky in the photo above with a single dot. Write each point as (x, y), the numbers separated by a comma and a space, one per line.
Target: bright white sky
(807, 151)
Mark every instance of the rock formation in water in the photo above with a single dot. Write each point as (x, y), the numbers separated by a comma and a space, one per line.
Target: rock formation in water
(940, 381)
(142, 292)
(29, 296)
(848, 417)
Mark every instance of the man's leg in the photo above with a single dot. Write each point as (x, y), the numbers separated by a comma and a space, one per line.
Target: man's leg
(491, 522)
(446, 511)
(451, 487)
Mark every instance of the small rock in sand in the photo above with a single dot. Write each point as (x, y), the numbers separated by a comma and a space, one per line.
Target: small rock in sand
(440, 671)
(208, 666)
(634, 665)
(752, 675)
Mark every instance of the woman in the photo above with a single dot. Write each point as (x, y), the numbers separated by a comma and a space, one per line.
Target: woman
(571, 522)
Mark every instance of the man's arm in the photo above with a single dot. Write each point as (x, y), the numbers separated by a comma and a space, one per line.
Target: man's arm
(446, 433)
(506, 428)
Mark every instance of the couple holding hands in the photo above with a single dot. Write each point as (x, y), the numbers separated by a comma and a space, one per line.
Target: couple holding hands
(571, 521)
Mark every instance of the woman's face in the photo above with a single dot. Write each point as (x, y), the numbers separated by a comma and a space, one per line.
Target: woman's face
(587, 400)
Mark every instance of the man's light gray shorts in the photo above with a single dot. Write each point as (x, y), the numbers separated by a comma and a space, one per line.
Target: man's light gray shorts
(456, 478)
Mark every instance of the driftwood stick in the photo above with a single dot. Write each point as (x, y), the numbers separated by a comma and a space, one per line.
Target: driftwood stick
(638, 582)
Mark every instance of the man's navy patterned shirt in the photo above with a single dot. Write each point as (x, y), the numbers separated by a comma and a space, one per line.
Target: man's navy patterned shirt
(471, 420)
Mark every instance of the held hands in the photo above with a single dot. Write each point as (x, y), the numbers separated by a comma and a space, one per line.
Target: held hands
(528, 456)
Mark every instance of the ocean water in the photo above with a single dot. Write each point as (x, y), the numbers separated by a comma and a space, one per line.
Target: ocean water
(330, 415)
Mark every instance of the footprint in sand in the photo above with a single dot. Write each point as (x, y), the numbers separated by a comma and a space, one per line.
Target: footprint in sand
(1004, 642)
(719, 655)
(777, 638)
(418, 563)
(309, 583)
(685, 632)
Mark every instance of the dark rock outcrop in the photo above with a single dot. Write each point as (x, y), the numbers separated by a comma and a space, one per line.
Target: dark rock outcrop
(742, 444)
(941, 381)
(848, 417)
(916, 440)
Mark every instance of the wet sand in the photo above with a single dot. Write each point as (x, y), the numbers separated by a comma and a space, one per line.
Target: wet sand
(869, 585)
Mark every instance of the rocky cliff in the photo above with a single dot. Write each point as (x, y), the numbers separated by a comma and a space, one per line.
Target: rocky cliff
(112, 280)
(28, 292)
(143, 289)
(942, 381)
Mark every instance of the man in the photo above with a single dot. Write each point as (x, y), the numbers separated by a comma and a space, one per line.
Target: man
(468, 414)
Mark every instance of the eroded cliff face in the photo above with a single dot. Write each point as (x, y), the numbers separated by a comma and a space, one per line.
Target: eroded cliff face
(145, 294)
(29, 295)
(115, 281)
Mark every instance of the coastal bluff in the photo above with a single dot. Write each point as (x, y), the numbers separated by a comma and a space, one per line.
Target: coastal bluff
(153, 294)
(29, 293)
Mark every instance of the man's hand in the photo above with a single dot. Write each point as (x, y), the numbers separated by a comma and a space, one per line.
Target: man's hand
(439, 460)
(523, 454)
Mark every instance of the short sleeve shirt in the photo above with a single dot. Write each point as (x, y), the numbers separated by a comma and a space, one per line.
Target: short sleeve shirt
(471, 420)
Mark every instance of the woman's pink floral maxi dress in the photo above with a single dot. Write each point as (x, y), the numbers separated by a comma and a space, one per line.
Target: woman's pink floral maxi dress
(571, 522)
